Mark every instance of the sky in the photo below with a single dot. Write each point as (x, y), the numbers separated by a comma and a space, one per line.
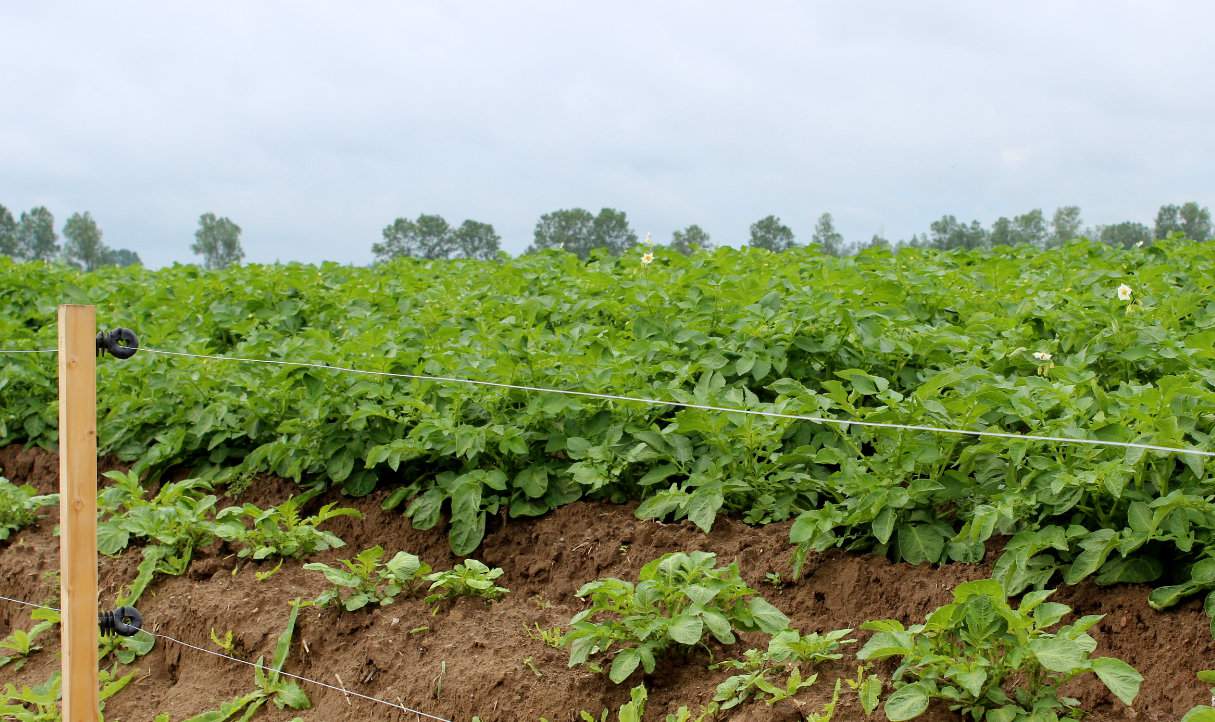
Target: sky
(314, 125)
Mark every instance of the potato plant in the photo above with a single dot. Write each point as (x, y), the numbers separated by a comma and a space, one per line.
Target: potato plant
(364, 580)
(469, 578)
(788, 650)
(678, 599)
(993, 661)
(282, 530)
(19, 506)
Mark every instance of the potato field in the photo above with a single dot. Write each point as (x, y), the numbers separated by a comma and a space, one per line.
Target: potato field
(735, 485)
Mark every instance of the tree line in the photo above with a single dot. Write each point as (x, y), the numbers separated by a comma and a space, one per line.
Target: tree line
(32, 237)
(577, 230)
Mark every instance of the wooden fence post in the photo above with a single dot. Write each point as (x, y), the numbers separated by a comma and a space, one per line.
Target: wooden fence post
(78, 510)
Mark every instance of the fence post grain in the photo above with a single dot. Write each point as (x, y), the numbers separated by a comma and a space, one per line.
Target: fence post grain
(78, 510)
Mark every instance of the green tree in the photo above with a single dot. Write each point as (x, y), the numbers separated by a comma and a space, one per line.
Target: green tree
(876, 242)
(1030, 228)
(429, 237)
(570, 229)
(1002, 233)
(577, 231)
(1190, 219)
(1168, 219)
(474, 239)
(687, 240)
(121, 257)
(1196, 222)
(829, 240)
(36, 237)
(1126, 234)
(8, 234)
(612, 231)
(1065, 225)
(217, 240)
(949, 232)
(769, 233)
(83, 247)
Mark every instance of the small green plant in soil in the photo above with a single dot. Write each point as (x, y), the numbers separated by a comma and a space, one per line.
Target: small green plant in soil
(469, 578)
(271, 686)
(19, 506)
(41, 702)
(20, 643)
(282, 530)
(787, 651)
(365, 580)
(552, 637)
(868, 688)
(991, 661)
(175, 522)
(677, 599)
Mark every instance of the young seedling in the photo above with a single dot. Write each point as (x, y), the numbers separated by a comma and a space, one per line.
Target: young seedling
(19, 506)
(552, 637)
(992, 661)
(281, 530)
(469, 578)
(20, 644)
(364, 580)
(41, 703)
(678, 598)
(787, 650)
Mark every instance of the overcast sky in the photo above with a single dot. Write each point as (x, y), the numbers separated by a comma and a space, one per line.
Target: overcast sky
(313, 125)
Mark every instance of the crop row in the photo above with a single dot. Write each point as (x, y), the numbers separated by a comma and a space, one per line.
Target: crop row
(1083, 340)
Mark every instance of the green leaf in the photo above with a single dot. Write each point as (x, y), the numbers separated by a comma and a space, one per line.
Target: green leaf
(1121, 678)
(869, 693)
(624, 664)
(767, 617)
(906, 702)
(920, 543)
(686, 629)
(703, 506)
(1059, 654)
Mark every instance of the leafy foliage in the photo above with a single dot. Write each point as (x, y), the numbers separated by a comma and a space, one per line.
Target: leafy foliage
(992, 661)
(40, 703)
(469, 578)
(364, 580)
(19, 506)
(917, 337)
(21, 643)
(678, 598)
(787, 651)
(174, 523)
(282, 530)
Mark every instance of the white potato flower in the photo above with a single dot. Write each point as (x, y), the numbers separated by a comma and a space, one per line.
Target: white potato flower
(647, 258)
(1124, 292)
(1042, 356)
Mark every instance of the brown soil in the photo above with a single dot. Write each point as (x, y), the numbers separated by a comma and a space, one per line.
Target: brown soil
(475, 658)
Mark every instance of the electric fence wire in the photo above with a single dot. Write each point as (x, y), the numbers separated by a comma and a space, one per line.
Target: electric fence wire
(704, 407)
(28, 350)
(343, 690)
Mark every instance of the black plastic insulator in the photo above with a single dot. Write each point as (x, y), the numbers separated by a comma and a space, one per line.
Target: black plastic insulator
(124, 621)
(121, 343)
